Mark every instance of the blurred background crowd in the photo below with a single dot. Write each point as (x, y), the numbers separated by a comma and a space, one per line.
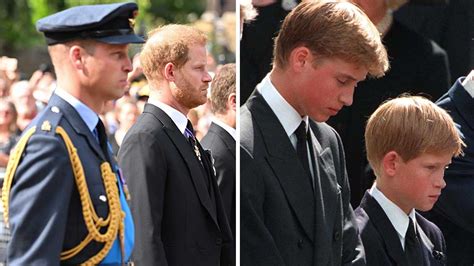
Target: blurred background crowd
(27, 77)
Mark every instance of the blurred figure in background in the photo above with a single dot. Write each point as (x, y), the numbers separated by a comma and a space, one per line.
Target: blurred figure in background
(126, 112)
(8, 131)
(247, 13)
(43, 82)
(22, 96)
(220, 140)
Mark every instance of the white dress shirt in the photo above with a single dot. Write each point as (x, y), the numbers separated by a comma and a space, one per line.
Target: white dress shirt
(179, 119)
(397, 217)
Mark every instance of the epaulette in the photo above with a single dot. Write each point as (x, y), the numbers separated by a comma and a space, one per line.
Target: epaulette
(49, 121)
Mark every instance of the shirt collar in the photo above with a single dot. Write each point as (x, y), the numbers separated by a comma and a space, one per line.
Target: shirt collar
(289, 118)
(179, 119)
(86, 113)
(226, 127)
(468, 85)
(397, 217)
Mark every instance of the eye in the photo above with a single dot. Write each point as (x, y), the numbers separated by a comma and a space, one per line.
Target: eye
(341, 81)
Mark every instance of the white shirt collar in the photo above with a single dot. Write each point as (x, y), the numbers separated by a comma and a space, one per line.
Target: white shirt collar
(179, 119)
(86, 113)
(468, 85)
(289, 118)
(397, 217)
(226, 127)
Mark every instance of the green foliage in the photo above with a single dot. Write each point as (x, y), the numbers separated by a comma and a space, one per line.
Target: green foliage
(16, 29)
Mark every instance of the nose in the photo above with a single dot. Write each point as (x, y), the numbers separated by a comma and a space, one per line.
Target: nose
(347, 96)
(128, 65)
(207, 78)
(440, 181)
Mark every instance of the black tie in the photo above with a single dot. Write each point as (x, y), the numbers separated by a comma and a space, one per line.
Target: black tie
(413, 246)
(301, 146)
(102, 136)
(189, 133)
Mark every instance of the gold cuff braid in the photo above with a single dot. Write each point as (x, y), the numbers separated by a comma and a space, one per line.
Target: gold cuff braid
(115, 219)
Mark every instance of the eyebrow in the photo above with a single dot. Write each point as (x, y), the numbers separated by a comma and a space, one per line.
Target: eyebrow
(351, 77)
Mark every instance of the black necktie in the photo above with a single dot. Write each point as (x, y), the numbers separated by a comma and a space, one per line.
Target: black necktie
(189, 134)
(103, 141)
(301, 146)
(413, 246)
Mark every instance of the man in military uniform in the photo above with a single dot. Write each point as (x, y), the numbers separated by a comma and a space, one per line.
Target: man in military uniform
(63, 194)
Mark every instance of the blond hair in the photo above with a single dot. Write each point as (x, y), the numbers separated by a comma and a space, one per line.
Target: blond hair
(168, 44)
(222, 86)
(410, 126)
(332, 29)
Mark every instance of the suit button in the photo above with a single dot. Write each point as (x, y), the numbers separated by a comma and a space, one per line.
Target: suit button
(219, 241)
(300, 243)
(337, 235)
(438, 255)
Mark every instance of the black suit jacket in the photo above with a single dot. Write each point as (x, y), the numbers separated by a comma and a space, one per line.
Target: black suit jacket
(222, 147)
(382, 244)
(176, 222)
(282, 221)
(454, 211)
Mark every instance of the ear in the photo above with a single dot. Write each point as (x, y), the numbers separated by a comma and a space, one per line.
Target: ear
(232, 102)
(76, 56)
(299, 58)
(390, 163)
(169, 74)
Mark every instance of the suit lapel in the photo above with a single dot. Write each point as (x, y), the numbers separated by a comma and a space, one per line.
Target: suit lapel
(75, 120)
(326, 189)
(221, 133)
(385, 228)
(283, 161)
(188, 155)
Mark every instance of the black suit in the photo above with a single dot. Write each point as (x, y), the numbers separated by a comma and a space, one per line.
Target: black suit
(283, 222)
(417, 65)
(177, 220)
(454, 211)
(222, 147)
(382, 244)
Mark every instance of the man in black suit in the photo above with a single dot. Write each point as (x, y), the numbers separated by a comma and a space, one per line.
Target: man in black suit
(67, 202)
(409, 141)
(295, 195)
(220, 140)
(453, 212)
(180, 218)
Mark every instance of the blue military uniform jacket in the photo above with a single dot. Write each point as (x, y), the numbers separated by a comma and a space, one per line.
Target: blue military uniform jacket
(45, 211)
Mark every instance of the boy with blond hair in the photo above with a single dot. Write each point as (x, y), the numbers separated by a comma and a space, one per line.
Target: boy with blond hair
(409, 142)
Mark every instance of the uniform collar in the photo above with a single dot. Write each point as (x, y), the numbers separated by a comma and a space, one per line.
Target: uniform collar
(86, 113)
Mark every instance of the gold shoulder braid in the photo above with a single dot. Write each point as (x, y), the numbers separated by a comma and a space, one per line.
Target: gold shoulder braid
(115, 218)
